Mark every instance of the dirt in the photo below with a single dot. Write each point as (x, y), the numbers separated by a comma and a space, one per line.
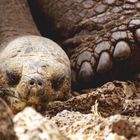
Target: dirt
(110, 112)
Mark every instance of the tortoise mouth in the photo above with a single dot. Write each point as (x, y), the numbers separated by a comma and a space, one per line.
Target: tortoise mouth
(17, 103)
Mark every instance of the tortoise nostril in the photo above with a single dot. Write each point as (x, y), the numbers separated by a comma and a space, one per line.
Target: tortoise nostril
(35, 83)
(32, 83)
(40, 83)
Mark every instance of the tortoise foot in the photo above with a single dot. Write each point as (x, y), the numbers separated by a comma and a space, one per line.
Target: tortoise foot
(105, 55)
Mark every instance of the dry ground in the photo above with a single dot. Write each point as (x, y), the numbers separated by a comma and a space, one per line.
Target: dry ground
(110, 112)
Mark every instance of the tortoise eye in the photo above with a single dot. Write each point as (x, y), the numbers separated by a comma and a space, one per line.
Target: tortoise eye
(13, 77)
(57, 83)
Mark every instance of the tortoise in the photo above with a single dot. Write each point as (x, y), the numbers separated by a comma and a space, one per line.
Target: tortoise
(101, 39)
(33, 70)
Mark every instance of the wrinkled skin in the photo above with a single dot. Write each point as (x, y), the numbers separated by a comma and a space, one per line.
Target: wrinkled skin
(102, 38)
(33, 70)
(36, 70)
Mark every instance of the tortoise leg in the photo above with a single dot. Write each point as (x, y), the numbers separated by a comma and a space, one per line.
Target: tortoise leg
(113, 55)
(16, 20)
(102, 38)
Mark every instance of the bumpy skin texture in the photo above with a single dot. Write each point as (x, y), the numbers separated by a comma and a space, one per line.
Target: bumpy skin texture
(33, 70)
(102, 38)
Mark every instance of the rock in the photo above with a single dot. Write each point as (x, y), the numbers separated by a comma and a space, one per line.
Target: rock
(30, 125)
(92, 126)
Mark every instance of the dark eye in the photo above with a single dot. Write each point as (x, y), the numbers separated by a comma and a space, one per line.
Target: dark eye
(13, 77)
(57, 83)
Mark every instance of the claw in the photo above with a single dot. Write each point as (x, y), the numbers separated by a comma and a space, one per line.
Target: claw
(122, 51)
(86, 72)
(105, 63)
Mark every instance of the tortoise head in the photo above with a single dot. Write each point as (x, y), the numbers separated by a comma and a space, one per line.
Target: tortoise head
(34, 71)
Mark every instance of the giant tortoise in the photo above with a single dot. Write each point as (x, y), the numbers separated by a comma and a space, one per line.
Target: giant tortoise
(101, 39)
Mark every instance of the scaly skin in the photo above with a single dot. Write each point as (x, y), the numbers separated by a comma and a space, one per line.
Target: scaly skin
(102, 38)
(33, 70)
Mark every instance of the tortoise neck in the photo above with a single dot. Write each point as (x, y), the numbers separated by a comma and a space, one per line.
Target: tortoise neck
(15, 20)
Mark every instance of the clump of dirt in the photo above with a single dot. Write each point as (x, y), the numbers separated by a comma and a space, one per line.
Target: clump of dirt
(90, 126)
(30, 125)
(115, 97)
